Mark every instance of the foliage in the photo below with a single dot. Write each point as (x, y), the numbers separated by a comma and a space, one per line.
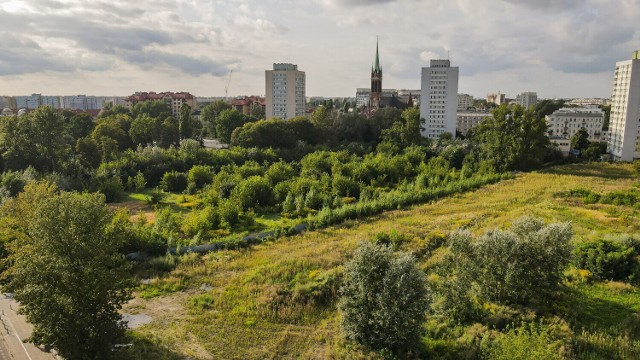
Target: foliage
(200, 175)
(68, 276)
(174, 181)
(514, 138)
(608, 259)
(580, 140)
(252, 192)
(527, 341)
(383, 298)
(227, 121)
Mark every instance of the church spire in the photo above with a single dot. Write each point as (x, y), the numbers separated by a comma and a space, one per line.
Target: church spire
(376, 67)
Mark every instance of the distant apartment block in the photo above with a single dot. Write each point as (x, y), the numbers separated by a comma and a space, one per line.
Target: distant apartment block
(527, 99)
(589, 101)
(497, 99)
(34, 101)
(566, 122)
(624, 124)
(174, 100)
(7, 102)
(467, 120)
(465, 101)
(245, 104)
(439, 98)
(285, 91)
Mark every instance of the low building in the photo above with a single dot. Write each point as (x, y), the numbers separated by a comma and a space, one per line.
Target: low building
(497, 99)
(566, 122)
(563, 144)
(244, 104)
(173, 100)
(467, 120)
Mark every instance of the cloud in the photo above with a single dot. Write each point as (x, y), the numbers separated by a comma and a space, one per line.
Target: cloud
(189, 65)
(354, 3)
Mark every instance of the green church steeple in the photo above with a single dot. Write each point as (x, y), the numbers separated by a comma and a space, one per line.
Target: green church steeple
(376, 67)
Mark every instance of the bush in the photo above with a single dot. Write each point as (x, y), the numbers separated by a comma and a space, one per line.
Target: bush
(607, 259)
(383, 298)
(200, 176)
(229, 212)
(252, 192)
(155, 196)
(200, 221)
(111, 188)
(174, 181)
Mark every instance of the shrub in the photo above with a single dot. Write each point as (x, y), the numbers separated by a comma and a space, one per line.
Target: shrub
(607, 259)
(383, 298)
(111, 188)
(200, 176)
(174, 181)
(252, 192)
(155, 196)
(229, 212)
(200, 221)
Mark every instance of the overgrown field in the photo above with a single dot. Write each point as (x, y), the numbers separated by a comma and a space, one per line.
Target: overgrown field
(278, 299)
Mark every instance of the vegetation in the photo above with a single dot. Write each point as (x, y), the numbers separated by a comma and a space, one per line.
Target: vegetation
(384, 298)
(66, 271)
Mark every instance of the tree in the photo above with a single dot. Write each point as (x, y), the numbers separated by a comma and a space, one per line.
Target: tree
(145, 130)
(67, 274)
(514, 138)
(210, 113)
(156, 109)
(88, 152)
(580, 140)
(79, 125)
(186, 122)
(227, 121)
(383, 298)
(33, 140)
(406, 132)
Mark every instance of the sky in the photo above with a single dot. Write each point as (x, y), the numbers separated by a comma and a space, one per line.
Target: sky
(558, 48)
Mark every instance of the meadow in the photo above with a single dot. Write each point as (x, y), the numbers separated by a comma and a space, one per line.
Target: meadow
(278, 299)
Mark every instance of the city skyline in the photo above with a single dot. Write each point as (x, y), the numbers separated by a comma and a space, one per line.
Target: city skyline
(555, 48)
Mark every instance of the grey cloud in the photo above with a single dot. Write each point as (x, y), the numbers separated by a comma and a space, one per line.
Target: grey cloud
(551, 5)
(354, 3)
(24, 56)
(188, 65)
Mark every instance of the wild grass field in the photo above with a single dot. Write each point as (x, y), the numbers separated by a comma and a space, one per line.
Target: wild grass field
(278, 299)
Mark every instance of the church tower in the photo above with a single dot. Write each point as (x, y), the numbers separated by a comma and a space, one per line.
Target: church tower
(376, 82)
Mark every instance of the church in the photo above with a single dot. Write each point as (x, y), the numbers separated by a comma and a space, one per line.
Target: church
(374, 98)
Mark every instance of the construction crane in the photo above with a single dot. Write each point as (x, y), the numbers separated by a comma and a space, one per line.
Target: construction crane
(226, 88)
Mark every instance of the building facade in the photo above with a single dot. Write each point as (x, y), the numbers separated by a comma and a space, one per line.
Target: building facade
(173, 100)
(527, 99)
(285, 91)
(624, 124)
(465, 101)
(375, 96)
(439, 98)
(566, 122)
(497, 99)
(467, 120)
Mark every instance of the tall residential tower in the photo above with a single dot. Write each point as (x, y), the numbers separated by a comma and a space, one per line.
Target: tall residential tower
(624, 125)
(439, 98)
(285, 91)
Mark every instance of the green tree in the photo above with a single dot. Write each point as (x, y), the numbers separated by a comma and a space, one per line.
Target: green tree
(227, 121)
(383, 298)
(514, 138)
(68, 276)
(145, 130)
(33, 140)
(156, 109)
(580, 140)
(186, 122)
(407, 132)
(79, 125)
(88, 152)
(210, 113)
(170, 132)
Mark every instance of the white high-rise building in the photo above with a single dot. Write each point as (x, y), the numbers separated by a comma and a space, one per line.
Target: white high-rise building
(285, 91)
(439, 98)
(624, 124)
(527, 99)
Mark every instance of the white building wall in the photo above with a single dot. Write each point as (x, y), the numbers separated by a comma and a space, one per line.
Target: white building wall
(624, 125)
(566, 122)
(439, 98)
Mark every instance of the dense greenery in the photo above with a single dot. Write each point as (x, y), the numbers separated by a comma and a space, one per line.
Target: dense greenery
(66, 271)
(609, 259)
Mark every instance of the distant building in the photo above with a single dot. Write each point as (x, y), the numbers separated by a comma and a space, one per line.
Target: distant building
(375, 96)
(467, 120)
(244, 104)
(7, 112)
(465, 101)
(589, 101)
(29, 102)
(285, 91)
(497, 99)
(527, 99)
(566, 122)
(405, 94)
(173, 100)
(439, 98)
(362, 97)
(624, 125)
(7, 102)
(563, 144)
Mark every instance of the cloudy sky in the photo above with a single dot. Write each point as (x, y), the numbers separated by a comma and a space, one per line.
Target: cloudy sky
(559, 48)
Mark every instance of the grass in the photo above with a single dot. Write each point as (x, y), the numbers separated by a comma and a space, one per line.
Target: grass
(257, 305)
